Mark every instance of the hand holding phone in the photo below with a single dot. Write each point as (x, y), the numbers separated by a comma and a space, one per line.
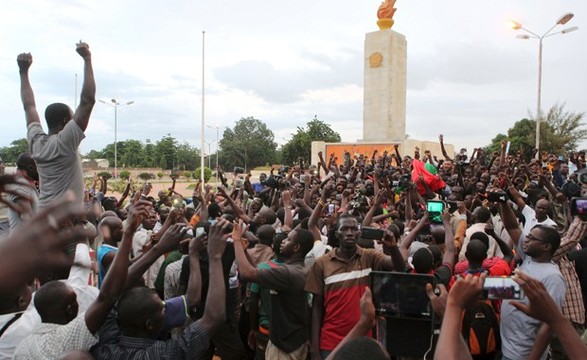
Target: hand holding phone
(498, 288)
(435, 210)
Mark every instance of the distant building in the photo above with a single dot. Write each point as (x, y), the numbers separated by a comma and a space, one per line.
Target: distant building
(95, 164)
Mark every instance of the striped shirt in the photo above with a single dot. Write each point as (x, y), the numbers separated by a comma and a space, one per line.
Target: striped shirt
(341, 282)
(573, 306)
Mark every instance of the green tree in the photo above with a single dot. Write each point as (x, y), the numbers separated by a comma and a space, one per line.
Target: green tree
(131, 153)
(149, 155)
(10, 153)
(560, 132)
(166, 150)
(564, 130)
(105, 174)
(145, 176)
(207, 174)
(124, 174)
(300, 145)
(93, 155)
(250, 144)
(186, 156)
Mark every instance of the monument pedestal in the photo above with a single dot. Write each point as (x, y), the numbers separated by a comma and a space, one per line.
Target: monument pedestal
(384, 99)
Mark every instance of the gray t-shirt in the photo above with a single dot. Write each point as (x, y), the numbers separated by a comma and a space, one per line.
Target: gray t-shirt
(518, 331)
(58, 161)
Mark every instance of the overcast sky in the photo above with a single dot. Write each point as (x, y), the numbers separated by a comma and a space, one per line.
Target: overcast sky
(284, 62)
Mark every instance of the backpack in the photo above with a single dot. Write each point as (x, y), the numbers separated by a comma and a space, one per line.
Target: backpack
(480, 328)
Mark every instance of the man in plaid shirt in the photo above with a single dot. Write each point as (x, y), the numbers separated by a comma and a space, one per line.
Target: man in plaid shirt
(573, 306)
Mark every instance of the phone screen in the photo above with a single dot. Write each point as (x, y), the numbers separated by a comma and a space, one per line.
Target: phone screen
(580, 206)
(435, 206)
(495, 288)
(435, 209)
(200, 231)
(401, 295)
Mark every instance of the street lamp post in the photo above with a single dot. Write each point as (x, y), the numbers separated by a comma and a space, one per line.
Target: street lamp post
(517, 26)
(115, 104)
(209, 143)
(217, 142)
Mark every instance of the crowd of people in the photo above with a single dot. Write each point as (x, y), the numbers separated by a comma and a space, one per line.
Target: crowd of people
(280, 268)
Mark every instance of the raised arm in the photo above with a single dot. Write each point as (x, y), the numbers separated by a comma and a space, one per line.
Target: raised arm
(444, 153)
(396, 261)
(27, 96)
(510, 222)
(123, 196)
(515, 194)
(317, 212)
(397, 154)
(215, 310)
(287, 218)
(449, 243)
(508, 254)
(572, 237)
(169, 241)
(238, 212)
(322, 163)
(502, 154)
(194, 290)
(203, 204)
(113, 284)
(88, 93)
(307, 188)
(247, 271)
(368, 220)
(411, 236)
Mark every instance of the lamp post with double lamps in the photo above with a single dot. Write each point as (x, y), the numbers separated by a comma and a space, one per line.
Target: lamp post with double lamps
(217, 142)
(114, 103)
(532, 35)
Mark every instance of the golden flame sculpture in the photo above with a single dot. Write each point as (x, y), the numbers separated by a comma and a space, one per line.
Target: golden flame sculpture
(385, 14)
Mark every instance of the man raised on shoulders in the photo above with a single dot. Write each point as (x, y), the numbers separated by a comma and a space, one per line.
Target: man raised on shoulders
(56, 153)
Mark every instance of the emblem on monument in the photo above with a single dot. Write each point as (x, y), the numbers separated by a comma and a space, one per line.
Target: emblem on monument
(375, 60)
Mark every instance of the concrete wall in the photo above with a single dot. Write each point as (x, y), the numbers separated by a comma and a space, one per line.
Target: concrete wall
(405, 148)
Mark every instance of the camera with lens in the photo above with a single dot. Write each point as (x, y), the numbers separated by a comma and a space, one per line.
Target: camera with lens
(273, 181)
(582, 176)
(405, 182)
(497, 196)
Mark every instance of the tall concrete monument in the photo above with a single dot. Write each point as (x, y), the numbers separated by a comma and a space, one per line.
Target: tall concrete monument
(384, 99)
